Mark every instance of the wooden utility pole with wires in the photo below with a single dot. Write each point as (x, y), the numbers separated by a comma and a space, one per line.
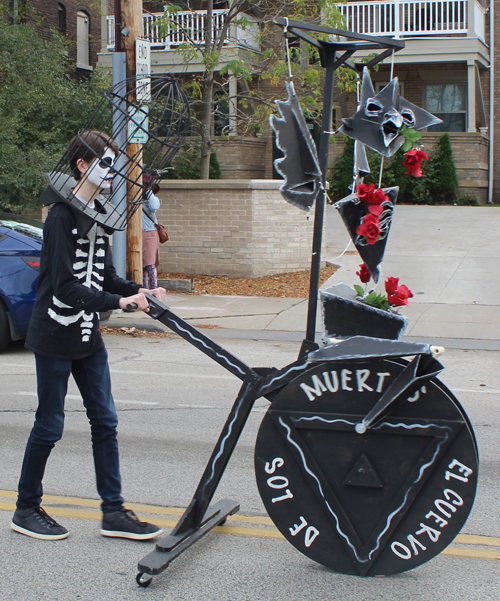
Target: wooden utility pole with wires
(131, 19)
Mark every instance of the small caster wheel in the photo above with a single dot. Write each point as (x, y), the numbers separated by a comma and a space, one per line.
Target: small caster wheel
(223, 522)
(143, 579)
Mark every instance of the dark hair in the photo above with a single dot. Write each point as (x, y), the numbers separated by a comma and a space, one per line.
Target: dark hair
(88, 145)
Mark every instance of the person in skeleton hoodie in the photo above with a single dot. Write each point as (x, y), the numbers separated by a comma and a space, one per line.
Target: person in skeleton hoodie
(77, 282)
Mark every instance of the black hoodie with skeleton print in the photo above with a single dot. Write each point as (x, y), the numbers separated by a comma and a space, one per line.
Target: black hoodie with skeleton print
(77, 281)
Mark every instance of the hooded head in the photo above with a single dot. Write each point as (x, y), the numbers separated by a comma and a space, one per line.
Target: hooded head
(91, 155)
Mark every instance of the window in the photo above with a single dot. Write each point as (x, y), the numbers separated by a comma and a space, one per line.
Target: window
(82, 40)
(221, 114)
(449, 103)
(61, 18)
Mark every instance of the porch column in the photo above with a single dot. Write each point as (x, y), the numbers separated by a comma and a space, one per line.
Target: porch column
(470, 19)
(397, 19)
(233, 115)
(104, 26)
(471, 96)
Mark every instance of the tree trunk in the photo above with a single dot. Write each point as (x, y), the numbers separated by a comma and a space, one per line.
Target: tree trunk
(206, 124)
(208, 97)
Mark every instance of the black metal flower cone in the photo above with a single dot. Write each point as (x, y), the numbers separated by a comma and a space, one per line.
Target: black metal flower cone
(352, 211)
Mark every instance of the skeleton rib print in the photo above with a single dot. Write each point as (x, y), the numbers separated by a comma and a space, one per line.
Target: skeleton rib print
(88, 267)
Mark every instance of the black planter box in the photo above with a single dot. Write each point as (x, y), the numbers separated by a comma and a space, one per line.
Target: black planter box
(344, 316)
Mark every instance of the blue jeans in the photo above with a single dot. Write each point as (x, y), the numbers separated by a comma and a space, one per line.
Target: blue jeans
(92, 377)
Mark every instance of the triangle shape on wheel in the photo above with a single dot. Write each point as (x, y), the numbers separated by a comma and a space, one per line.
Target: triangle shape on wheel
(325, 466)
(363, 474)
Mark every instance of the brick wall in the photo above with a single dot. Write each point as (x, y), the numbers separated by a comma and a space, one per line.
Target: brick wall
(238, 227)
(242, 158)
(48, 11)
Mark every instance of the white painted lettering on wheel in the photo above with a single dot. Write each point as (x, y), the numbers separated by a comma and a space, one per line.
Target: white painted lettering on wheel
(446, 506)
(350, 381)
(277, 482)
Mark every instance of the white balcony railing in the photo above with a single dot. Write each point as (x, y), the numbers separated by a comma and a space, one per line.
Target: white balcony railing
(189, 26)
(411, 18)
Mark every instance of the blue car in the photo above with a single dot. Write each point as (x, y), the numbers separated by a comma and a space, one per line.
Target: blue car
(20, 247)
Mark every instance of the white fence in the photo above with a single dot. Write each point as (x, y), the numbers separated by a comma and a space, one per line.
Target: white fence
(189, 26)
(410, 18)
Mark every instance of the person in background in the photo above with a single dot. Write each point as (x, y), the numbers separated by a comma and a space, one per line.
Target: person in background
(150, 240)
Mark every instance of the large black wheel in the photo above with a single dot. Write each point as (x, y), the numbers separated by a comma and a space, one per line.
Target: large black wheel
(4, 327)
(378, 502)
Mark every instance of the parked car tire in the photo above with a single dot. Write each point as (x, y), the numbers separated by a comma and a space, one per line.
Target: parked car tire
(4, 327)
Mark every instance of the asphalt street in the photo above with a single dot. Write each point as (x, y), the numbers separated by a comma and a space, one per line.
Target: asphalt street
(172, 403)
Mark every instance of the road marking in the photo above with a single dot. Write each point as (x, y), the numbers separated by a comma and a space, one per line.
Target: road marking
(177, 374)
(169, 374)
(79, 398)
(475, 390)
(70, 507)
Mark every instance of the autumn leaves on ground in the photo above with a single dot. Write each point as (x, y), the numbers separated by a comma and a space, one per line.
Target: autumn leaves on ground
(281, 285)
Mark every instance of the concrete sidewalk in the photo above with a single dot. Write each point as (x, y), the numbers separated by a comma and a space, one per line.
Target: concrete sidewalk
(447, 256)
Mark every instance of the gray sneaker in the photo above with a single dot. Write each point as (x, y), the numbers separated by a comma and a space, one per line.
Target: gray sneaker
(125, 524)
(37, 523)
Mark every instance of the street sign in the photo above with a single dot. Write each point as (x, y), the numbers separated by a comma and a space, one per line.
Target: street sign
(138, 124)
(143, 70)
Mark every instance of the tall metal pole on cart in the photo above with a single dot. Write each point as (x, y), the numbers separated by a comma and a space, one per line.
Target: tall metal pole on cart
(328, 59)
(131, 18)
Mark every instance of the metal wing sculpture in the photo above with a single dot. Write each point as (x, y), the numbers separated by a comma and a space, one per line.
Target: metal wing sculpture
(300, 164)
(380, 117)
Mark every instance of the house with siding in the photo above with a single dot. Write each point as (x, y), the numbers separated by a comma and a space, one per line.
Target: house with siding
(447, 67)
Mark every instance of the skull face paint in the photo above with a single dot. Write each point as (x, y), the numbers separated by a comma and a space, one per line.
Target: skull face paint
(99, 172)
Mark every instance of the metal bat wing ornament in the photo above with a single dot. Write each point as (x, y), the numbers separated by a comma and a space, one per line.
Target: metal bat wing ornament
(300, 165)
(380, 117)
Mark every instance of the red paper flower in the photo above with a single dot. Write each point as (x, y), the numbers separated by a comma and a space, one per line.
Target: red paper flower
(413, 162)
(378, 197)
(364, 274)
(370, 194)
(369, 228)
(400, 297)
(364, 191)
(376, 210)
(391, 285)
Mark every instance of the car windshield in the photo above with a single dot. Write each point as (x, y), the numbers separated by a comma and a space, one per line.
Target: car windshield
(23, 225)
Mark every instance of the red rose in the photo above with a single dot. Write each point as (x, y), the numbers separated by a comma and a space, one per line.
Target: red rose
(391, 285)
(376, 210)
(400, 297)
(364, 191)
(413, 162)
(378, 197)
(369, 228)
(364, 274)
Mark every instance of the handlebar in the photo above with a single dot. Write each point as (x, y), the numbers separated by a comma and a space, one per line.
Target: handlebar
(131, 307)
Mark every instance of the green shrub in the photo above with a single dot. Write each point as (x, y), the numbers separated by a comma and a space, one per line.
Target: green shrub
(443, 182)
(41, 108)
(341, 174)
(186, 164)
(437, 185)
(467, 199)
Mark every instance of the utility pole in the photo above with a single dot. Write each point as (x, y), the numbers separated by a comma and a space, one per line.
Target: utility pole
(131, 18)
